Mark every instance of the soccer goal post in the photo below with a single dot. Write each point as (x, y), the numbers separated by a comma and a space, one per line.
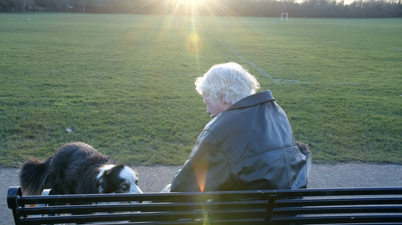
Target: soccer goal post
(284, 16)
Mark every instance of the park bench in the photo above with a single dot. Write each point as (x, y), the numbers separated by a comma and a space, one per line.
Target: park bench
(303, 206)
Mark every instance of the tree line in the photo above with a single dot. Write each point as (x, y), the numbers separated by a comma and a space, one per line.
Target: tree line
(263, 8)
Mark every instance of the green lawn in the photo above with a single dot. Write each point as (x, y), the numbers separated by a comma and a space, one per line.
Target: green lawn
(125, 83)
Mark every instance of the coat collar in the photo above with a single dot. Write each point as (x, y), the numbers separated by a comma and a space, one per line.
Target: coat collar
(255, 99)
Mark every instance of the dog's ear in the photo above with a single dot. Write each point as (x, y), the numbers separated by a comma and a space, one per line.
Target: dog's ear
(107, 181)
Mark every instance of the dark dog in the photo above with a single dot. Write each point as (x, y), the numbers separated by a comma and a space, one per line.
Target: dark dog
(77, 168)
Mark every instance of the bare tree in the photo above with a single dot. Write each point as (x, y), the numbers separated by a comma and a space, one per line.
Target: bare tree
(85, 3)
(67, 4)
(26, 3)
(97, 3)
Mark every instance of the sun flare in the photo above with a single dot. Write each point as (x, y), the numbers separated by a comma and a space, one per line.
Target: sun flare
(193, 43)
(187, 7)
(193, 2)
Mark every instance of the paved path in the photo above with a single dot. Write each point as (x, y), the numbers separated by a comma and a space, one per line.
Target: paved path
(153, 179)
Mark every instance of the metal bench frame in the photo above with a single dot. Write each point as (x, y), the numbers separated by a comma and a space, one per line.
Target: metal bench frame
(302, 206)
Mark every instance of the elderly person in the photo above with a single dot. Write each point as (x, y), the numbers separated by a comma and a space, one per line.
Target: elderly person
(247, 145)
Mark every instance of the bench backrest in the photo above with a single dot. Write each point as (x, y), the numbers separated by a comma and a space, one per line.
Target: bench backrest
(303, 206)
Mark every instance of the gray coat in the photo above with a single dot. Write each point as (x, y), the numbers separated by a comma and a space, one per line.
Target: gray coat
(250, 146)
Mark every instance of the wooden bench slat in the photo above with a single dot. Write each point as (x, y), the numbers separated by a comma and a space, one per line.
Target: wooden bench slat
(215, 222)
(148, 216)
(337, 209)
(143, 207)
(337, 201)
(337, 219)
(191, 196)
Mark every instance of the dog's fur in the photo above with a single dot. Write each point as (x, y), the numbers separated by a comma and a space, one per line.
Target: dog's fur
(77, 168)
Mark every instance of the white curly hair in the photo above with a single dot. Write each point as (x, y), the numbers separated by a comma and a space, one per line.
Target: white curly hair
(228, 79)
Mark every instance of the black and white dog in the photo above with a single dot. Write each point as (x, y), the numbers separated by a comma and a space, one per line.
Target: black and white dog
(77, 168)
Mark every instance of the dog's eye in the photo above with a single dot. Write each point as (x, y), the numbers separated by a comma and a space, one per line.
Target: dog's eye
(124, 186)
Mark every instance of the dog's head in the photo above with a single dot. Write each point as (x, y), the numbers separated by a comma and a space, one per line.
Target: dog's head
(118, 179)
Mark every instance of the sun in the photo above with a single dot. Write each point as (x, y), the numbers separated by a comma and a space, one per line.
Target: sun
(197, 7)
(189, 6)
(189, 1)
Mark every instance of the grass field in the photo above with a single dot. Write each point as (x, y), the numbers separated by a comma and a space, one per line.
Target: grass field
(125, 83)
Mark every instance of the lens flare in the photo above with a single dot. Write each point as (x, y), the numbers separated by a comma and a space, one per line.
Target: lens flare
(201, 176)
(200, 168)
(193, 43)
